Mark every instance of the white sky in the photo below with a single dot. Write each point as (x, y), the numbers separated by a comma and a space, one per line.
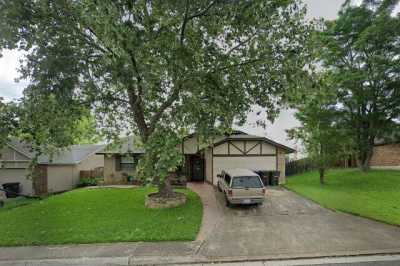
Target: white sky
(327, 9)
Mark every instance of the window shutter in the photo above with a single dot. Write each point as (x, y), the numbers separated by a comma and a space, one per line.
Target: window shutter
(117, 162)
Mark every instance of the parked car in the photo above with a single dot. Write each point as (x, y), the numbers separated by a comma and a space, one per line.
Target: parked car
(241, 186)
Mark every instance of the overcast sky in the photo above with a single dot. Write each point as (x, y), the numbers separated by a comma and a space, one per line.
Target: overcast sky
(327, 9)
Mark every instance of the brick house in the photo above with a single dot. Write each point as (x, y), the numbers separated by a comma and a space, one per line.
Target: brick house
(386, 155)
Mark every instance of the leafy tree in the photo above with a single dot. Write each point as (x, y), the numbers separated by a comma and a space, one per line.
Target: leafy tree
(321, 131)
(361, 52)
(8, 121)
(154, 68)
(86, 130)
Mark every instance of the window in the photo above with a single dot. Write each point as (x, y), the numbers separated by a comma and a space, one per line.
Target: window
(227, 179)
(129, 162)
(247, 182)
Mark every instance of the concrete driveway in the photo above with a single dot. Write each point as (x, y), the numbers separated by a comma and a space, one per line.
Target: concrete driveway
(288, 225)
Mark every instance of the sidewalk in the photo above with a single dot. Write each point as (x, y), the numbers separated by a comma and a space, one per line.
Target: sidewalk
(100, 254)
(165, 253)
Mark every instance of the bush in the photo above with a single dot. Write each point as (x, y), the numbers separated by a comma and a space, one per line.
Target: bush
(85, 182)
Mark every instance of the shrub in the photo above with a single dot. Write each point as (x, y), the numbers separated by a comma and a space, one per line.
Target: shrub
(85, 182)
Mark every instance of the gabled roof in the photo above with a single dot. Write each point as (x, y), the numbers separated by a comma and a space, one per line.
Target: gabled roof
(22, 147)
(130, 144)
(133, 144)
(240, 135)
(73, 155)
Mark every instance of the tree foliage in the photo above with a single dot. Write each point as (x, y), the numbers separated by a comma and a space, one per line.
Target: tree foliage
(149, 67)
(361, 53)
(321, 131)
(8, 121)
(86, 131)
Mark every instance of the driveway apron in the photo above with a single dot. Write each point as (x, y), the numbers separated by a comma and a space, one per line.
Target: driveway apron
(288, 225)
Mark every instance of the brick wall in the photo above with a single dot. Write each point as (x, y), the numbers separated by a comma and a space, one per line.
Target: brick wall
(386, 155)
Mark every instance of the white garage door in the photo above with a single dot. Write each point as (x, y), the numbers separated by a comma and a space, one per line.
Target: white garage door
(249, 162)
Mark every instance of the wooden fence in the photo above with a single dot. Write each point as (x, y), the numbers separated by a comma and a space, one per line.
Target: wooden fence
(298, 166)
(305, 165)
(90, 174)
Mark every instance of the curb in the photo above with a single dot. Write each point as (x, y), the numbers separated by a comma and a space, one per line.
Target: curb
(272, 258)
(193, 260)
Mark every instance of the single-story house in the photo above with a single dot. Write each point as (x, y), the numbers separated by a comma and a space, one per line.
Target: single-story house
(386, 155)
(203, 162)
(53, 174)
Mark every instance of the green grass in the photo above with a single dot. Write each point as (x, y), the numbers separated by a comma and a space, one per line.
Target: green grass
(374, 194)
(17, 202)
(99, 216)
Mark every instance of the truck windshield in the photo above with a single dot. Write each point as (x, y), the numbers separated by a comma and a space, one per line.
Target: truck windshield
(246, 182)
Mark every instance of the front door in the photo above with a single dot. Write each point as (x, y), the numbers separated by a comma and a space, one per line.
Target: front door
(197, 166)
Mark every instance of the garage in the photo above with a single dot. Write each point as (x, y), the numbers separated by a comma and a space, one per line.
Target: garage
(241, 152)
(238, 150)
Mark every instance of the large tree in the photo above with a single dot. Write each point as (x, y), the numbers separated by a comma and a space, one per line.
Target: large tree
(361, 52)
(321, 131)
(158, 68)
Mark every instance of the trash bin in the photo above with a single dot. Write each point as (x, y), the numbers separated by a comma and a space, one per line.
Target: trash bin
(12, 189)
(265, 177)
(275, 178)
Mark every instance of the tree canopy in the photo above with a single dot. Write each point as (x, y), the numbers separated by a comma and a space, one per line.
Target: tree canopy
(151, 67)
(8, 121)
(321, 132)
(360, 51)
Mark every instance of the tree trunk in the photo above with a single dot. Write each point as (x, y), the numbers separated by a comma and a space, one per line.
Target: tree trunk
(165, 189)
(321, 175)
(364, 157)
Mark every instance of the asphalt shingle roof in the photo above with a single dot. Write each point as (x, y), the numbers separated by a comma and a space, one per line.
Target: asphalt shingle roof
(72, 155)
(130, 144)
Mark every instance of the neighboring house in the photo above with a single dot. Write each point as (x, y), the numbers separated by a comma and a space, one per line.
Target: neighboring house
(203, 162)
(386, 155)
(56, 174)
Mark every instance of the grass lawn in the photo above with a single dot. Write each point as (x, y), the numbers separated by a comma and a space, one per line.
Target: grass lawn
(98, 216)
(16, 202)
(375, 194)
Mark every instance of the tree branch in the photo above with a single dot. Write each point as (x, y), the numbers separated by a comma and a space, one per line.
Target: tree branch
(202, 12)
(187, 18)
(138, 114)
(241, 43)
(138, 76)
(170, 100)
(238, 64)
(184, 22)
